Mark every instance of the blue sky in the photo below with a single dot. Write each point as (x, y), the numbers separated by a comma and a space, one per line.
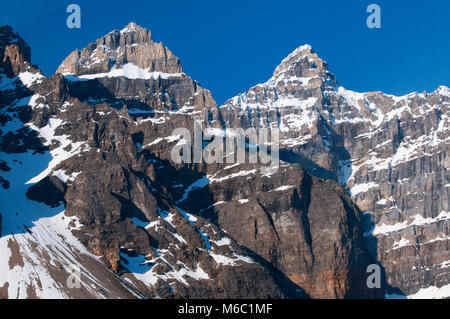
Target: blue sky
(229, 46)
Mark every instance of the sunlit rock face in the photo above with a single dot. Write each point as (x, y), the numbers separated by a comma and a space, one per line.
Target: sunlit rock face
(133, 44)
(390, 153)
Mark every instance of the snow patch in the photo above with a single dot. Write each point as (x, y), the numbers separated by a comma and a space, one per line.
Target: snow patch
(129, 71)
(363, 188)
(432, 292)
(29, 78)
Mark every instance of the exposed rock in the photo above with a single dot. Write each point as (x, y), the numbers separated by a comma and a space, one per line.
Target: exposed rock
(49, 191)
(15, 54)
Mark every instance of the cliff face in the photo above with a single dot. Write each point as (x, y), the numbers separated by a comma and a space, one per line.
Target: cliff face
(94, 144)
(305, 226)
(133, 44)
(390, 153)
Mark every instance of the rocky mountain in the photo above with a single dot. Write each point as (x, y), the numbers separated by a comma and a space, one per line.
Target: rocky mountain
(88, 182)
(390, 153)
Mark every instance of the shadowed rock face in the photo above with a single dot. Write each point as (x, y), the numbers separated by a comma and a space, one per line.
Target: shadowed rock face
(99, 137)
(305, 226)
(15, 54)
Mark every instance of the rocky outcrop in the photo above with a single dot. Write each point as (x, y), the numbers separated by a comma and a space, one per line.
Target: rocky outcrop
(390, 152)
(49, 191)
(133, 44)
(15, 54)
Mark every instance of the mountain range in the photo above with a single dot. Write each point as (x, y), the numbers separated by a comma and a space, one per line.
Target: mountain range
(87, 182)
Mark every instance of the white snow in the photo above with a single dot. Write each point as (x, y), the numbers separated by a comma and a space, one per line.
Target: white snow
(297, 121)
(432, 292)
(441, 237)
(189, 217)
(197, 274)
(34, 104)
(222, 242)
(401, 243)
(64, 177)
(41, 232)
(282, 188)
(29, 78)
(233, 175)
(140, 267)
(229, 261)
(418, 220)
(445, 264)
(58, 154)
(352, 98)
(129, 28)
(169, 139)
(443, 90)
(129, 70)
(362, 188)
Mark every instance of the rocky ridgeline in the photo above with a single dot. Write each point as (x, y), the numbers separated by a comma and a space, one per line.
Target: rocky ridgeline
(100, 186)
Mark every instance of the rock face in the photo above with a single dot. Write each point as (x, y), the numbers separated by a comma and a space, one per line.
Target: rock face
(133, 44)
(94, 144)
(38, 251)
(14, 52)
(305, 226)
(391, 153)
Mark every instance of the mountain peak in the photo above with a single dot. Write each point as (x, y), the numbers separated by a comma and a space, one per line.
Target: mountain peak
(303, 49)
(131, 27)
(7, 33)
(303, 62)
(132, 44)
(443, 90)
(15, 54)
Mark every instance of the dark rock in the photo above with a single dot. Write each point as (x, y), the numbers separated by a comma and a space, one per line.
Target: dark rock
(49, 191)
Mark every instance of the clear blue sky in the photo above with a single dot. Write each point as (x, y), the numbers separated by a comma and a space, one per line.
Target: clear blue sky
(229, 46)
